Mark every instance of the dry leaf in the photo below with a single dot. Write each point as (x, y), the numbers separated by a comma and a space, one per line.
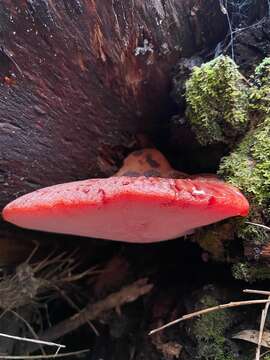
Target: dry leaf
(253, 337)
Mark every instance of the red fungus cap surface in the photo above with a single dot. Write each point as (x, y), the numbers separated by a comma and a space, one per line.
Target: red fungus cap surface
(131, 209)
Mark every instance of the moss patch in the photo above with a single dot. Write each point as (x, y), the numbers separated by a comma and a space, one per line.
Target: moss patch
(210, 330)
(248, 167)
(250, 273)
(217, 102)
(220, 108)
(260, 93)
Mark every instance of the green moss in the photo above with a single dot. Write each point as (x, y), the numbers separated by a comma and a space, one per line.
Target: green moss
(249, 273)
(260, 92)
(255, 235)
(210, 330)
(217, 102)
(248, 167)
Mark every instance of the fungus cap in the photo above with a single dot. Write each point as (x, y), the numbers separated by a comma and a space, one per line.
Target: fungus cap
(131, 209)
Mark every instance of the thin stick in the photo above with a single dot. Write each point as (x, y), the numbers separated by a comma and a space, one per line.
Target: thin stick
(224, 9)
(32, 252)
(41, 264)
(208, 310)
(29, 327)
(265, 353)
(91, 271)
(33, 357)
(259, 225)
(75, 307)
(93, 311)
(35, 341)
(260, 292)
(262, 324)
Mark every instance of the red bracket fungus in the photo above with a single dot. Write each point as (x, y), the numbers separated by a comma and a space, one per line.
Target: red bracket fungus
(146, 201)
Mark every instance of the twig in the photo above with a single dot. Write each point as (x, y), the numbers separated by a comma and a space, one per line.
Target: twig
(259, 225)
(265, 353)
(75, 307)
(35, 341)
(260, 292)
(91, 271)
(208, 310)
(29, 327)
(35, 249)
(40, 278)
(33, 357)
(262, 323)
(224, 9)
(237, 31)
(45, 262)
(93, 311)
(263, 319)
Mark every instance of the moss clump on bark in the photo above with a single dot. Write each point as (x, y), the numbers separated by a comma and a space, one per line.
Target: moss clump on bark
(210, 330)
(260, 94)
(248, 167)
(217, 102)
(250, 273)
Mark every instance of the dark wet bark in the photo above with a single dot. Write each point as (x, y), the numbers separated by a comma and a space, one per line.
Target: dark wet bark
(252, 45)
